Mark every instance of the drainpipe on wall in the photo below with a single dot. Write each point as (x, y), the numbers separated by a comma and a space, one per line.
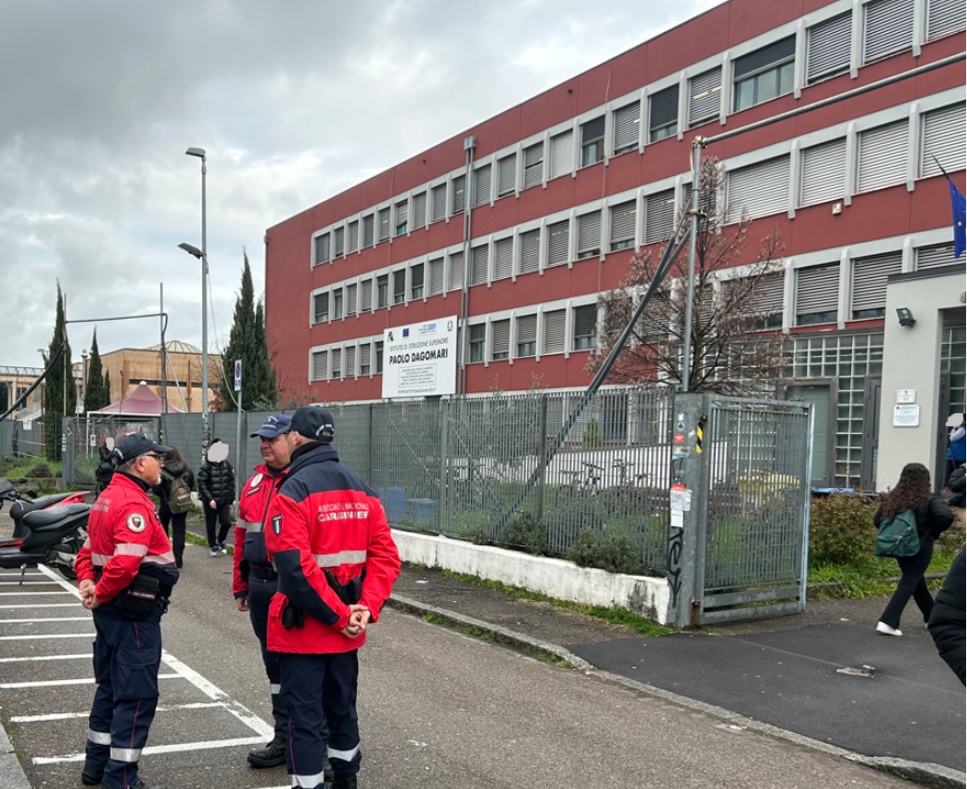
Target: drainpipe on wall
(469, 145)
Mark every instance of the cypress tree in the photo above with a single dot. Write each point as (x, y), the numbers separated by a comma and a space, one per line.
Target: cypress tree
(95, 396)
(54, 403)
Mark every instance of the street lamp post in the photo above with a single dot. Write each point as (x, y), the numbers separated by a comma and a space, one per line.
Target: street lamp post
(203, 256)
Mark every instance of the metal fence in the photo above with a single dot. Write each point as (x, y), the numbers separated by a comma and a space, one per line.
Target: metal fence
(21, 439)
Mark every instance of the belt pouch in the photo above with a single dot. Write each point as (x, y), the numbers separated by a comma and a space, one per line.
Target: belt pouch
(139, 598)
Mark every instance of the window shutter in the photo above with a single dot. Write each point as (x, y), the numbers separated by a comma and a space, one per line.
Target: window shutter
(439, 203)
(663, 118)
(526, 329)
(768, 56)
(659, 216)
(353, 242)
(530, 251)
(704, 97)
(481, 185)
(592, 130)
(416, 281)
(828, 47)
(506, 174)
(935, 256)
(322, 249)
(944, 17)
(817, 289)
(320, 307)
(459, 194)
(761, 189)
(402, 213)
(456, 270)
(500, 339)
(339, 241)
(399, 286)
(365, 354)
(478, 268)
(585, 326)
(503, 258)
(320, 365)
(383, 224)
(554, 337)
(557, 243)
(888, 28)
(627, 123)
(823, 172)
(368, 230)
(562, 154)
(419, 210)
(768, 294)
(436, 277)
(350, 368)
(869, 282)
(533, 164)
(944, 132)
(623, 225)
(881, 159)
(366, 297)
(589, 235)
(337, 363)
(351, 299)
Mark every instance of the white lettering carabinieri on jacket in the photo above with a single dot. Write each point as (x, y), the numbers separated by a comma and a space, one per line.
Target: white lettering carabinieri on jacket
(342, 511)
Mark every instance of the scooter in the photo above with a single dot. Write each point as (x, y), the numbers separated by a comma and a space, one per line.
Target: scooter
(52, 536)
(22, 506)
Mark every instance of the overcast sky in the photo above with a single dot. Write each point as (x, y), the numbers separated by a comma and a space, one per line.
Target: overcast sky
(294, 102)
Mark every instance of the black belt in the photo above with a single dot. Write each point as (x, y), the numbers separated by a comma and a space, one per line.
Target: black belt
(263, 573)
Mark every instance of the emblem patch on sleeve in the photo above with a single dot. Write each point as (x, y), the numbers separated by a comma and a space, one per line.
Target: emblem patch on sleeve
(277, 524)
(136, 522)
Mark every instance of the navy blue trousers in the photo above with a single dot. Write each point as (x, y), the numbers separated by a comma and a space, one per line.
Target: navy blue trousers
(259, 596)
(127, 655)
(320, 689)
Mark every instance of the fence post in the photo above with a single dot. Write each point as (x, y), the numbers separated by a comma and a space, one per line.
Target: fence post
(688, 510)
(542, 444)
(443, 511)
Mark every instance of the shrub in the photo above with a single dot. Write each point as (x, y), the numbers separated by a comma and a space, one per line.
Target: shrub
(614, 553)
(592, 435)
(526, 533)
(841, 529)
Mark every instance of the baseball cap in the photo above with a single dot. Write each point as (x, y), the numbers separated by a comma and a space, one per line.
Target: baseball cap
(274, 426)
(314, 422)
(135, 445)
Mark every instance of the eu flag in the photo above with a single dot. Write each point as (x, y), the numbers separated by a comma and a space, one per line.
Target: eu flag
(960, 218)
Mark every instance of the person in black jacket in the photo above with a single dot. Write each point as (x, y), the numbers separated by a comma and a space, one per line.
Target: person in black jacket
(175, 467)
(947, 618)
(104, 470)
(913, 492)
(216, 491)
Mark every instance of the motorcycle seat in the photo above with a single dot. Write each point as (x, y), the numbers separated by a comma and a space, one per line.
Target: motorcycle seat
(38, 519)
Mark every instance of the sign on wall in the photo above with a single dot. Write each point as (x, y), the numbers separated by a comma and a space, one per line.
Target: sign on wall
(421, 359)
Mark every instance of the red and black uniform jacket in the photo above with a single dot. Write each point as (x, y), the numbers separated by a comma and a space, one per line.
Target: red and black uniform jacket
(124, 536)
(324, 518)
(253, 503)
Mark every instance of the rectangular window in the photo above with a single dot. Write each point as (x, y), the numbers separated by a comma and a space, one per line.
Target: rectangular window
(823, 172)
(760, 296)
(439, 194)
(419, 210)
(382, 290)
(881, 162)
(622, 226)
(456, 271)
(459, 201)
(589, 235)
(500, 340)
(506, 174)
(349, 369)
(402, 216)
(942, 140)
(481, 185)
(557, 243)
(533, 164)
(554, 336)
(416, 281)
(337, 303)
(530, 251)
(705, 97)
(887, 28)
(379, 357)
(828, 47)
(663, 114)
(935, 256)
(761, 189)
(562, 154)
(368, 225)
(659, 216)
(399, 286)
(336, 363)
(764, 74)
(526, 336)
(366, 295)
(365, 354)
(592, 141)
(339, 241)
(503, 258)
(945, 17)
(817, 291)
(322, 254)
(627, 124)
(384, 224)
(478, 335)
(436, 277)
(320, 308)
(869, 284)
(478, 265)
(320, 365)
(351, 299)
(352, 244)
(585, 327)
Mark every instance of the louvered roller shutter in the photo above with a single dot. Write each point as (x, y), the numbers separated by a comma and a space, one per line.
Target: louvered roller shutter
(322, 249)
(500, 339)
(481, 185)
(365, 354)
(336, 355)
(627, 122)
(350, 299)
(944, 17)
(506, 174)
(944, 132)
(554, 337)
(503, 258)
(402, 216)
(416, 281)
(350, 368)
(419, 210)
(659, 216)
(477, 336)
(456, 271)
(383, 224)
(399, 286)
(882, 159)
(771, 55)
(459, 187)
(816, 292)
(557, 243)
(589, 235)
(562, 154)
(828, 47)
(869, 283)
(436, 277)
(320, 365)
(663, 118)
(366, 297)
(585, 327)
(368, 224)
(526, 335)
(705, 92)
(823, 172)
(320, 308)
(761, 189)
(769, 294)
(935, 256)
(533, 164)
(888, 28)
(352, 243)
(623, 226)
(478, 267)
(439, 206)
(339, 241)
(530, 251)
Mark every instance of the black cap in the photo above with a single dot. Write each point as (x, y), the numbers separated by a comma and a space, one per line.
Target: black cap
(313, 422)
(135, 445)
(274, 426)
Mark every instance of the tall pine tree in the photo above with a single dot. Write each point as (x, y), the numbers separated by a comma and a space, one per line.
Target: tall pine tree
(55, 405)
(246, 341)
(107, 387)
(95, 395)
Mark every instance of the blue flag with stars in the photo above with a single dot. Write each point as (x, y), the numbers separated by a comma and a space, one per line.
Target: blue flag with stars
(960, 218)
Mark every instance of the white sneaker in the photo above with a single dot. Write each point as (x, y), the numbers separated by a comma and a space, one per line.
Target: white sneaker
(884, 629)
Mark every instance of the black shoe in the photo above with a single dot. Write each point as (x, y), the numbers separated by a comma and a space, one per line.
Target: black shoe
(142, 785)
(272, 755)
(92, 779)
(344, 782)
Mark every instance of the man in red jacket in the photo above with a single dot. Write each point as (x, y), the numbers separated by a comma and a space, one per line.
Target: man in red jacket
(125, 572)
(327, 535)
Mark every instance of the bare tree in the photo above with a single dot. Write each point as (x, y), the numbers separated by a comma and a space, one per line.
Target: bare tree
(736, 348)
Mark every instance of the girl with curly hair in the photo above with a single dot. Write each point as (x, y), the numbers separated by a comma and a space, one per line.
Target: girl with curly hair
(913, 492)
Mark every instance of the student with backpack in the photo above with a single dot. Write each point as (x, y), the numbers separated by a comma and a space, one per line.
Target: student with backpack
(174, 492)
(912, 495)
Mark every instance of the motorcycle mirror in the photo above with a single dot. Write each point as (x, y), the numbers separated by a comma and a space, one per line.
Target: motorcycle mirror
(31, 493)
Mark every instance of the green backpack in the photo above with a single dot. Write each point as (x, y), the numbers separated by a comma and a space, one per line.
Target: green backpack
(898, 536)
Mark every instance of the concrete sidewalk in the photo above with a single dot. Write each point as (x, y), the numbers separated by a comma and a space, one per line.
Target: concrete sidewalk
(804, 678)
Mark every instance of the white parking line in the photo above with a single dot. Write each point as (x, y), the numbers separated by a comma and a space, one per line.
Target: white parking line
(24, 594)
(32, 658)
(63, 716)
(179, 747)
(39, 619)
(46, 637)
(43, 605)
(51, 683)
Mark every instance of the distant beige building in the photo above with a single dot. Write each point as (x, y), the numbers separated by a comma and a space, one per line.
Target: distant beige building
(17, 380)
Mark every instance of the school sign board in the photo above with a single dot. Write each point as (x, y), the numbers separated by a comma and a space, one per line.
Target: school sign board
(420, 360)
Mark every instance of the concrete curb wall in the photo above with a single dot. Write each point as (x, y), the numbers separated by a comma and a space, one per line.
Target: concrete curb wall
(556, 578)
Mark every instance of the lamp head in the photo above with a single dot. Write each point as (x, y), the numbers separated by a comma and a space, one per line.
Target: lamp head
(905, 316)
(200, 152)
(191, 250)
